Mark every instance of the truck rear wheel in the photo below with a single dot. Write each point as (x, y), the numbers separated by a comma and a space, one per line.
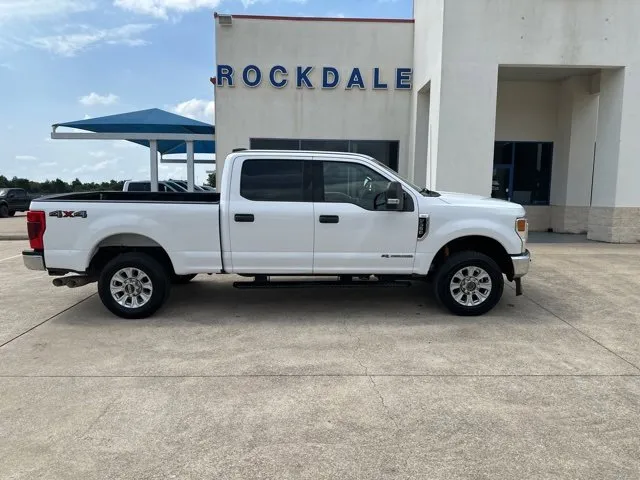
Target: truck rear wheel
(133, 285)
(4, 211)
(469, 284)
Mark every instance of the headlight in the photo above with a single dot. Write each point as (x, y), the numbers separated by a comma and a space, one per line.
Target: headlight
(522, 227)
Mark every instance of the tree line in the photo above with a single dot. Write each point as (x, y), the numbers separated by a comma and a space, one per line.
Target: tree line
(58, 186)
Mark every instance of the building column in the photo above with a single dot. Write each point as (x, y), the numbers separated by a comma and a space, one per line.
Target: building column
(463, 128)
(419, 138)
(190, 167)
(615, 211)
(572, 168)
(153, 163)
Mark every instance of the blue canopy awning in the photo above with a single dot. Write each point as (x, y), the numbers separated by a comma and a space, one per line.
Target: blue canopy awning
(152, 120)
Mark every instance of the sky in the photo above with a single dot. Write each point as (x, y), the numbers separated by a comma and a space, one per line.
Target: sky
(66, 60)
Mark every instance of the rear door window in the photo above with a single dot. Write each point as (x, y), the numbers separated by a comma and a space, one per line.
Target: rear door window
(272, 180)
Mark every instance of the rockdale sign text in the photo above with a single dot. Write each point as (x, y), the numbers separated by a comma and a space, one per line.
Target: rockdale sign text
(279, 76)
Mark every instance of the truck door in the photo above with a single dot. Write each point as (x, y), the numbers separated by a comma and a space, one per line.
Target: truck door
(271, 216)
(351, 235)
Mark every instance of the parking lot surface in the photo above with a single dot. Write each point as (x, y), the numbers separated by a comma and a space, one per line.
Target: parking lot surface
(14, 228)
(325, 383)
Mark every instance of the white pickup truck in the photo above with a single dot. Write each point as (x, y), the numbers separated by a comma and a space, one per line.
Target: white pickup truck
(343, 219)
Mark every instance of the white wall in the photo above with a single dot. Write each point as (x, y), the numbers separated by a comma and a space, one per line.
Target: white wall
(574, 146)
(427, 67)
(264, 111)
(527, 111)
(480, 35)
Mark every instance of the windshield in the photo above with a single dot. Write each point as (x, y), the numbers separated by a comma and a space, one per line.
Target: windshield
(2, 192)
(418, 189)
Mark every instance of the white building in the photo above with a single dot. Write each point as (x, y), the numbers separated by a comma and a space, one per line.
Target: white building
(495, 97)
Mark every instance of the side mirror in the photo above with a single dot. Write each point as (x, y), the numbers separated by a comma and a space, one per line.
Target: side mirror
(394, 197)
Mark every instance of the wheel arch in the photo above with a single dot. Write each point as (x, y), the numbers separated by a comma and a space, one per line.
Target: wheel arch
(478, 243)
(116, 244)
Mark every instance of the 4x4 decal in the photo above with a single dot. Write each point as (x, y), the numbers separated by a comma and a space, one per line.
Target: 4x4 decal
(68, 214)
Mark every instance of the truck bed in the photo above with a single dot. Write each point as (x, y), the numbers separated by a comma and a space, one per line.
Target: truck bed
(184, 225)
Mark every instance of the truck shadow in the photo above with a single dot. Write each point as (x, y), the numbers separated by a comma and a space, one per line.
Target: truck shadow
(212, 302)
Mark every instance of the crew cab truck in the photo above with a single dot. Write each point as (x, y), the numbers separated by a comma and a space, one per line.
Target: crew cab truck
(283, 214)
(13, 200)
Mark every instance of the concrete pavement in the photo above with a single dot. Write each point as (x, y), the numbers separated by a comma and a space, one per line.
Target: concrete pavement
(14, 228)
(330, 383)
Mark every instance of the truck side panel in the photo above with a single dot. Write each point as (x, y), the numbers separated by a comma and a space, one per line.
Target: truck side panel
(188, 232)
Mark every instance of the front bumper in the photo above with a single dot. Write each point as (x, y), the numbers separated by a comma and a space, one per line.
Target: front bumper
(521, 264)
(33, 260)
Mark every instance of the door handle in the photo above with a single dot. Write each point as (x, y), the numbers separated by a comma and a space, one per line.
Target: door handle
(244, 217)
(329, 218)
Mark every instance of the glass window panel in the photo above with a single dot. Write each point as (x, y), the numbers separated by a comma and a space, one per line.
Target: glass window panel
(272, 180)
(326, 145)
(532, 173)
(384, 151)
(502, 153)
(274, 144)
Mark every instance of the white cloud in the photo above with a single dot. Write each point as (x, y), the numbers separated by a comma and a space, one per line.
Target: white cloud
(26, 157)
(69, 45)
(162, 8)
(248, 3)
(197, 109)
(11, 10)
(98, 154)
(8, 66)
(48, 164)
(96, 167)
(95, 99)
(171, 171)
(122, 145)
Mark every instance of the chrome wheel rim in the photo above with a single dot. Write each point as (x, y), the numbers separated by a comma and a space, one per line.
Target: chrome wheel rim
(470, 286)
(131, 287)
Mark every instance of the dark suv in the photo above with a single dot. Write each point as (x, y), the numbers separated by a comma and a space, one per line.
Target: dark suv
(13, 200)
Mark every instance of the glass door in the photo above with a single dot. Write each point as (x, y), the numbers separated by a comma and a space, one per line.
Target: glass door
(501, 186)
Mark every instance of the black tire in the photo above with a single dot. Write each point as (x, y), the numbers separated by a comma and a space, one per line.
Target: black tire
(12, 213)
(454, 264)
(4, 211)
(151, 268)
(182, 279)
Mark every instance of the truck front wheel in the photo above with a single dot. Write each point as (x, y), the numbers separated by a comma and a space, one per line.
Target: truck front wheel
(469, 283)
(133, 285)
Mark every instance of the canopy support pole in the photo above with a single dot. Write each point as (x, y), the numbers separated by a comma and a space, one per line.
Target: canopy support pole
(153, 147)
(190, 167)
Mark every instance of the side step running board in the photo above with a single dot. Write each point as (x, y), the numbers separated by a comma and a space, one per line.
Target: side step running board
(320, 283)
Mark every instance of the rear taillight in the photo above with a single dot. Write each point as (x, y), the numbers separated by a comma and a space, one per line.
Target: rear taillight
(36, 225)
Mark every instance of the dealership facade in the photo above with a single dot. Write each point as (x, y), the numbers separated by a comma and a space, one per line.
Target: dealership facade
(533, 102)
